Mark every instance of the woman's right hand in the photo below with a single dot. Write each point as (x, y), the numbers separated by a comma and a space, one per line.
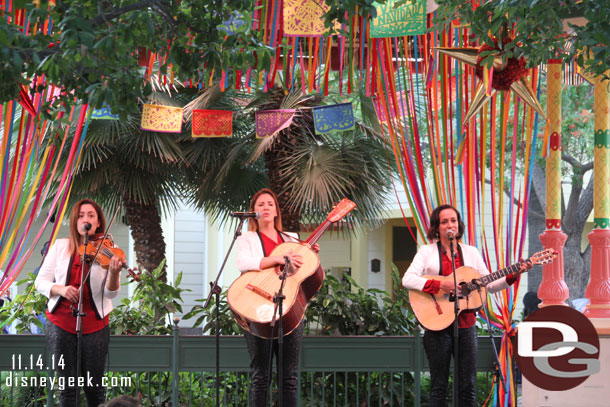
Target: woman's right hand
(447, 285)
(69, 292)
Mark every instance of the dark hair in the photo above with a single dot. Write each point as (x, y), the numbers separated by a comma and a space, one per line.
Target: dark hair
(435, 222)
(252, 222)
(530, 302)
(122, 401)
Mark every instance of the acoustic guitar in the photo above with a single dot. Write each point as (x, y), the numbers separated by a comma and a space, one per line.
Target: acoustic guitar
(251, 295)
(435, 311)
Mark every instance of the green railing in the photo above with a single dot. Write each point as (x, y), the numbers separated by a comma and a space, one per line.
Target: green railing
(344, 369)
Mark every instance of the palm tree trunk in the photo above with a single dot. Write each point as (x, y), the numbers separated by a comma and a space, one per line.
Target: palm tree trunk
(145, 223)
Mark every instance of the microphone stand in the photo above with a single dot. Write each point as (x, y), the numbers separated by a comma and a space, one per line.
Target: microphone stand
(497, 374)
(216, 290)
(278, 299)
(79, 314)
(456, 311)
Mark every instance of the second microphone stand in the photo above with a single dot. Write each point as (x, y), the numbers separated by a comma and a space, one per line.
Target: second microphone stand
(499, 377)
(216, 290)
(456, 310)
(278, 312)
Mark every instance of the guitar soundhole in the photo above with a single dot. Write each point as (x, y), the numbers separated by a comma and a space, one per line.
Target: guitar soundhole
(464, 289)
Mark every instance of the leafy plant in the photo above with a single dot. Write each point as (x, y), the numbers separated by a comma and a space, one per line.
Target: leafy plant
(146, 312)
(26, 396)
(345, 309)
(25, 307)
(227, 324)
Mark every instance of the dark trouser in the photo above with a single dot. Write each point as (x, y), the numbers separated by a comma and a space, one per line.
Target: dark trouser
(94, 349)
(439, 349)
(260, 367)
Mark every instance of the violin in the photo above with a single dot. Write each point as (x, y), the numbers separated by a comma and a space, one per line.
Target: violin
(106, 250)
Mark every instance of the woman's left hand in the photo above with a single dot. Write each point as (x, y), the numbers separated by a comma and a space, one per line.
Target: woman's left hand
(115, 265)
(316, 248)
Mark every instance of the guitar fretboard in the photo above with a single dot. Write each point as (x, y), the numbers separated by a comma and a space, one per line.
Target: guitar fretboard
(317, 234)
(500, 273)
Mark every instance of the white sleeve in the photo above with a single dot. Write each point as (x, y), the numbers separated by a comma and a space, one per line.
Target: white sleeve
(247, 258)
(412, 278)
(46, 274)
(109, 293)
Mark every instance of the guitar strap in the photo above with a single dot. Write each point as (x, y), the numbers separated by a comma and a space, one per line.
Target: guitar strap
(292, 238)
(263, 245)
(441, 251)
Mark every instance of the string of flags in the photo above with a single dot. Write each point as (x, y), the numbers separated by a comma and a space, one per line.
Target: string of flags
(219, 123)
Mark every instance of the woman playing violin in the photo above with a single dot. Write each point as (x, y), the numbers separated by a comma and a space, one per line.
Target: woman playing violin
(59, 279)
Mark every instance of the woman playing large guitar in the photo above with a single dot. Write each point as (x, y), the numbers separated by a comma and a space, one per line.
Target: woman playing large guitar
(254, 253)
(262, 253)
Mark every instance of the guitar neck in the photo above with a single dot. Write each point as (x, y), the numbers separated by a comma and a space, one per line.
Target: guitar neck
(515, 268)
(317, 234)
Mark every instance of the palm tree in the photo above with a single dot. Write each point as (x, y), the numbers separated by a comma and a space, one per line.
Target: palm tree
(140, 170)
(309, 172)
(146, 172)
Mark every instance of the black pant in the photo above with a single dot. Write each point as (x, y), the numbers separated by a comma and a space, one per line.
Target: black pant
(261, 367)
(94, 349)
(439, 349)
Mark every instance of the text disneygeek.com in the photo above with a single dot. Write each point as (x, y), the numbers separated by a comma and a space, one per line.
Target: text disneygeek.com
(60, 383)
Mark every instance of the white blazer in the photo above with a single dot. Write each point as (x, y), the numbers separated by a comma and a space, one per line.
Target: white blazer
(426, 262)
(250, 250)
(54, 270)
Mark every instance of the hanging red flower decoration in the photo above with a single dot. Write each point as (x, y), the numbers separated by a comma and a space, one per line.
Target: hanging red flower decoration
(502, 79)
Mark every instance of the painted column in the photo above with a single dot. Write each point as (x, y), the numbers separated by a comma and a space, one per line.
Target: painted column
(553, 289)
(360, 259)
(598, 290)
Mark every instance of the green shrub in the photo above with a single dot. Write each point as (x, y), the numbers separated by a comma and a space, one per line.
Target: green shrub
(146, 311)
(25, 307)
(345, 308)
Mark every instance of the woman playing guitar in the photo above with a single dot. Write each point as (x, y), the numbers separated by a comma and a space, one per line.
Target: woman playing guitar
(253, 254)
(435, 260)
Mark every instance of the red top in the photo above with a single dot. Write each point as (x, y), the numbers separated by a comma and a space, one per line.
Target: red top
(467, 318)
(62, 316)
(269, 244)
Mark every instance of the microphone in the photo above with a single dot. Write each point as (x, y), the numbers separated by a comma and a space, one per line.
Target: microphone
(450, 234)
(86, 226)
(244, 215)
